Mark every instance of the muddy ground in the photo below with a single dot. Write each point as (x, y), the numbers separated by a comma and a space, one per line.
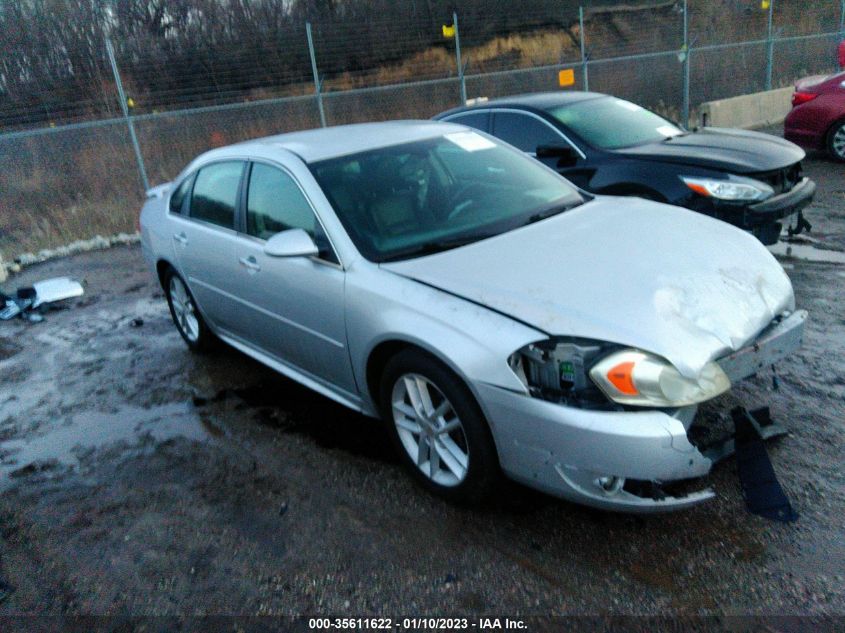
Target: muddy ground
(138, 478)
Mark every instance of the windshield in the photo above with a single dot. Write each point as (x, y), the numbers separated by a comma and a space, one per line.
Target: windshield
(611, 123)
(423, 197)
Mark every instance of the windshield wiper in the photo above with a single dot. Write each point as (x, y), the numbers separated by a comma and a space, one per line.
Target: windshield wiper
(434, 246)
(547, 213)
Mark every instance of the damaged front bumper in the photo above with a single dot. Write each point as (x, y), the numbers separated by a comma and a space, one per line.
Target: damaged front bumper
(618, 460)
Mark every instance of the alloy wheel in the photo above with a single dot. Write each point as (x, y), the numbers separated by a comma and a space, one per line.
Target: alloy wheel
(430, 430)
(184, 311)
(837, 143)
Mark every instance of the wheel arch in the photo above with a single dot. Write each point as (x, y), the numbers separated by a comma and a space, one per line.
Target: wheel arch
(162, 267)
(386, 349)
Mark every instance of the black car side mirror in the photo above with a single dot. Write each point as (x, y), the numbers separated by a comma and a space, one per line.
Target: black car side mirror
(564, 153)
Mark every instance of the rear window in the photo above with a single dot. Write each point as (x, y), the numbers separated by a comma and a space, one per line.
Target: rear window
(611, 123)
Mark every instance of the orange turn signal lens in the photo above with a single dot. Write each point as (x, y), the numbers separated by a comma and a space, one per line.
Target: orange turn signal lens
(621, 376)
(698, 188)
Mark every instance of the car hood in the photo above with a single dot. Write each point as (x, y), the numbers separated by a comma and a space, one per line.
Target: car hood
(622, 270)
(737, 151)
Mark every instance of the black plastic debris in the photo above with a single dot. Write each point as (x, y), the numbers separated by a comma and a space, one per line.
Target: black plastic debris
(760, 488)
(26, 293)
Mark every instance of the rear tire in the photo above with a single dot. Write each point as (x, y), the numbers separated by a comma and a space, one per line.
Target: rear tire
(438, 428)
(836, 141)
(186, 317)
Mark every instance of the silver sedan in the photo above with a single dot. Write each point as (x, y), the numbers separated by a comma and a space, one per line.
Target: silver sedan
(499, 320)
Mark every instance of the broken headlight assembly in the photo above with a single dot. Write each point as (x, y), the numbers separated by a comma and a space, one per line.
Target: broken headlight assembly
(591, 374)
(557, 370)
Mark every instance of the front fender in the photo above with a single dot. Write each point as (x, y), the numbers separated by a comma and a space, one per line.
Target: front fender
(472, 340)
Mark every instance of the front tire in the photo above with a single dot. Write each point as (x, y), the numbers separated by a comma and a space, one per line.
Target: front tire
(836, 141)
(438, 428)
(186, 317)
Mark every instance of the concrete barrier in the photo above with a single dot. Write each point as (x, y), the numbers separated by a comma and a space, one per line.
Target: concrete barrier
(747, 111)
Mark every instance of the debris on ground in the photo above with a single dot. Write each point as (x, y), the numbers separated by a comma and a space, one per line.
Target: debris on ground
(761, 489)
(136, 323)
(31, 301)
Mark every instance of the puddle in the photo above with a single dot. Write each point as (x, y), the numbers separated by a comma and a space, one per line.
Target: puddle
(288, 407)
(91, 430)
(807, 253)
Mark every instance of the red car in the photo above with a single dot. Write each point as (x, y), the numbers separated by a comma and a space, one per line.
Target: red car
(817, 119)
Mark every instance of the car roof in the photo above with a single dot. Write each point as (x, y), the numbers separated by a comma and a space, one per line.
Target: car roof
(341, 140)
(536, 100)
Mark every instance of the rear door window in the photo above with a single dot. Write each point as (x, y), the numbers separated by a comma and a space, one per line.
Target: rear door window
(523, 131)
(215, 195)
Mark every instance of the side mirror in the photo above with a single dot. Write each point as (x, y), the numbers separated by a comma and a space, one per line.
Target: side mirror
(291, 243)
(564, 153)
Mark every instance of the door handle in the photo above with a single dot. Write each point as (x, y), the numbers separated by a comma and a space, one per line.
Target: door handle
(250, 263)
(181, 238)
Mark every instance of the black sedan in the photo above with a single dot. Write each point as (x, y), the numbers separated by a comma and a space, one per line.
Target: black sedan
(611, 146)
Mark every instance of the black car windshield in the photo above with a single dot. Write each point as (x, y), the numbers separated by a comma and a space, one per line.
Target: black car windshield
(611, 123)
(427, 196)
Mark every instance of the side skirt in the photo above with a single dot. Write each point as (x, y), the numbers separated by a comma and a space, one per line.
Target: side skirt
(343, 397)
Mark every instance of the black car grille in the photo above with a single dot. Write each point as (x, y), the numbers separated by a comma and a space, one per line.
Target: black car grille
(781, 180)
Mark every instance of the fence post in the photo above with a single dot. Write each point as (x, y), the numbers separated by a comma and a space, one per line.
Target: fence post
(685, 68)
(317, 82)
(458, 58)
(129, 123)
(585, 76)
(770, 47)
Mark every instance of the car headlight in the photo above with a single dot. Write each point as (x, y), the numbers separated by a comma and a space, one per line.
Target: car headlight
(637, 378)
(735, 188)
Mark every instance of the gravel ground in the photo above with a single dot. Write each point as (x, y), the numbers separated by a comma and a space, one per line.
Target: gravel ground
(137, 478)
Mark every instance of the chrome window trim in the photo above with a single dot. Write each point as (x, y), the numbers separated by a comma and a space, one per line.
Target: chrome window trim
(493, 111)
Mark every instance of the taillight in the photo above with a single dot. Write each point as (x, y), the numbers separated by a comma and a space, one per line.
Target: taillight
(802, 97)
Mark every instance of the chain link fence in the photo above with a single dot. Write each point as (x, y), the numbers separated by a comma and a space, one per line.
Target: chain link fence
(77, 178)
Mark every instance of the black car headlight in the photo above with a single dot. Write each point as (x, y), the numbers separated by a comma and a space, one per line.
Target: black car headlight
(593, 374)
(734, 188)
